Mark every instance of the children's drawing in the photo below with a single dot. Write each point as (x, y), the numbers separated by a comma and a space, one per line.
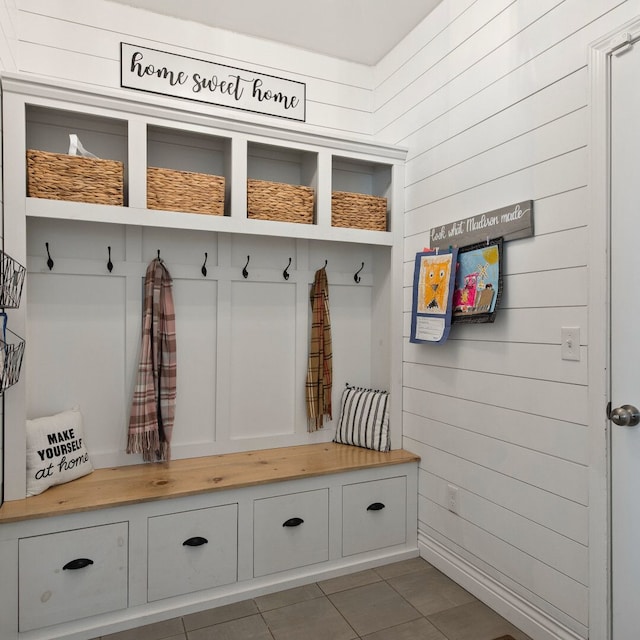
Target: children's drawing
(433, 280)
(478, 282)
(435, 276)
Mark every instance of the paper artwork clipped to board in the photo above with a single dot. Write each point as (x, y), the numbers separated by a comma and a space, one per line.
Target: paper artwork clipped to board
(433, 284)
(478, 282)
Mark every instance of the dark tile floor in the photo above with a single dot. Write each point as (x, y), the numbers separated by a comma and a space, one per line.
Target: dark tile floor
(409, 600)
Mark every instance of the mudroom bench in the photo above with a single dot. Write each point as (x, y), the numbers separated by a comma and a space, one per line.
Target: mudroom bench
(132, 545)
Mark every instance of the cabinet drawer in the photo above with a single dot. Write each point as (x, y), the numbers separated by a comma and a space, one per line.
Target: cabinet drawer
(290, 531)
(72, 574)
(374, 515)
(192, 550)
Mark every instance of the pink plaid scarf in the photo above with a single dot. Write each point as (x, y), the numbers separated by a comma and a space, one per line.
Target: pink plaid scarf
(154, 396)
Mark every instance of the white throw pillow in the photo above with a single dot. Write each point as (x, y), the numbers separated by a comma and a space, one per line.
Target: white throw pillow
(56, 452)
(364, 419)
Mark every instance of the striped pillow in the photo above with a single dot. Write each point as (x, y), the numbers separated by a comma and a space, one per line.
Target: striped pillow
(364, 419)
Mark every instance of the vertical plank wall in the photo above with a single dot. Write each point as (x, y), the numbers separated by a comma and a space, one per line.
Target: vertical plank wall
(7, 63)
(490, 97)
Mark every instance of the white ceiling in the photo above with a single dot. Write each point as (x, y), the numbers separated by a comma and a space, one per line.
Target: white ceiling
(357, 30)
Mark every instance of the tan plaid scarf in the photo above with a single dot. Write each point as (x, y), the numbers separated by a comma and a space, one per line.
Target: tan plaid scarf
(320, 367)
(154, 396)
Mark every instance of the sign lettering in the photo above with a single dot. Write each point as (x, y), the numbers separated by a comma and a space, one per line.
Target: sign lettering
(509, 223)
(179, 76)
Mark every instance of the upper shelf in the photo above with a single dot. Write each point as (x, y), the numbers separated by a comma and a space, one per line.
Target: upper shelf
(58, 209)
(142, 135)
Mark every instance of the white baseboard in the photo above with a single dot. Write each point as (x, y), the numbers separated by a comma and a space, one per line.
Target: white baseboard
(191, 603)
(527, 617)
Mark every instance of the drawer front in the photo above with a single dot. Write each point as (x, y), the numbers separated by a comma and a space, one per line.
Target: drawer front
(192, 550)
(72, 574)
(290, 531)
(374, 515)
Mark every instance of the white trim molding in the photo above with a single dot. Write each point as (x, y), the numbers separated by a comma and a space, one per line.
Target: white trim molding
(501, 599)
(600, 53)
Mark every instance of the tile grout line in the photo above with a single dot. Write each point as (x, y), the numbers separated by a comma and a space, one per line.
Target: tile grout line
(357, 636)
(380, 578)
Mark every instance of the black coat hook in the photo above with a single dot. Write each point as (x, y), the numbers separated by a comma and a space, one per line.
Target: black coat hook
(49, 261)
(285, 273)
(204, 265)
(326, 262)
(245, 273)
(159, 258)
(356, 275)
(109, 263)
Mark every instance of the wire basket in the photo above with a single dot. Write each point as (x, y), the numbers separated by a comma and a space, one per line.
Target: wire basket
(11, 353)
(11, 281)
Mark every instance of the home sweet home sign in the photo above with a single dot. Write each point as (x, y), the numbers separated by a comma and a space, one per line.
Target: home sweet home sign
(179, 76)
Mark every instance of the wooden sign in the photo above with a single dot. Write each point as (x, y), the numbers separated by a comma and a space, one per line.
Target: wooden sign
(179, 76)
(508, 223)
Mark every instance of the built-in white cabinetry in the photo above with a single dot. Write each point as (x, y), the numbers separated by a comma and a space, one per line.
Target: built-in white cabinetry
(374, 515)
(290, 531)
(72, 574)
(192, 550)
(87, 574)
(242, 328)
(241, 291)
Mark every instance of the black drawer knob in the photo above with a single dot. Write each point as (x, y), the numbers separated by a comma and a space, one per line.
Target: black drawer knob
(78, 563)
(293, 522)
(196, 541)
(375, 506)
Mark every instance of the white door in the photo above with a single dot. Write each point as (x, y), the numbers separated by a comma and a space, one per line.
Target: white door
(625, 340)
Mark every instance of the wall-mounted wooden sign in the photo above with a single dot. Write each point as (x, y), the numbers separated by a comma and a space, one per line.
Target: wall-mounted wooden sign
(179, 76)
(508, 223)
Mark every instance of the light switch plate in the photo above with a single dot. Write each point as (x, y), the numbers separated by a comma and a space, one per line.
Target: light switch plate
(570, 343)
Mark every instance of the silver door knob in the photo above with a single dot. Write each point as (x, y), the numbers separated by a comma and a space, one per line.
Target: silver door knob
(625, 416)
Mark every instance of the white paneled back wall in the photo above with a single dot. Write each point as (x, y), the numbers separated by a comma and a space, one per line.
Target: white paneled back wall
(80, 42)
(242, 343)
(490, 97)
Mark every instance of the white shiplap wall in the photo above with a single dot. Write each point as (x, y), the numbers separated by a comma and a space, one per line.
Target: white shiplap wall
(490, 97)
(80, 42)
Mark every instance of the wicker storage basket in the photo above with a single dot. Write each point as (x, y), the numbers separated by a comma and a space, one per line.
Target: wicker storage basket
(172, 190)
(358, 211)
(59, 176)
(279, 201)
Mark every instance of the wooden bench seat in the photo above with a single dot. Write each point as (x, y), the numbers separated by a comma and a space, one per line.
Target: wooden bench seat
(132, 484)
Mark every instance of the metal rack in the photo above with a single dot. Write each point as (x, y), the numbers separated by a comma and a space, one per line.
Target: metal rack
(12, 276)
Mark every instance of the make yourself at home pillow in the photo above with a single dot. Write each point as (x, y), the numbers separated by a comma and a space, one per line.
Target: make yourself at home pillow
(364, 419)
(56, 451)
